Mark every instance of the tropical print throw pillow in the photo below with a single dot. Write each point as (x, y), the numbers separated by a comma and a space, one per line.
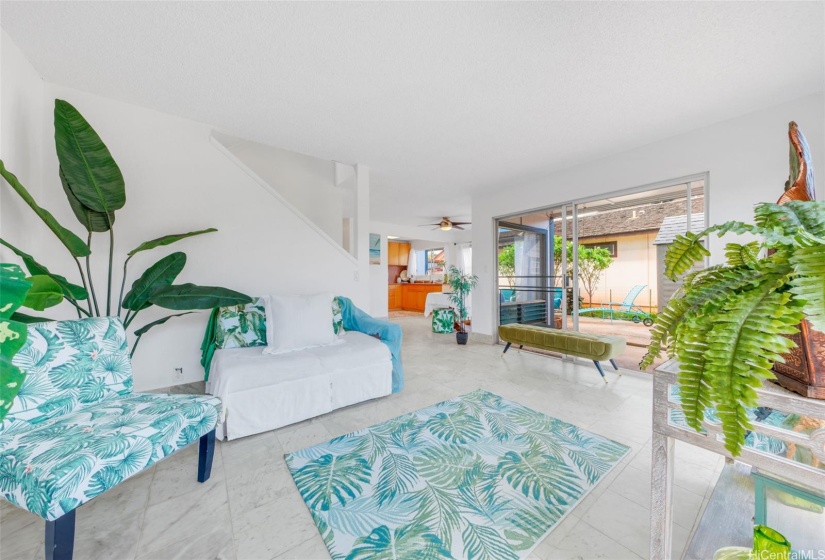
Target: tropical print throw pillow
(337, 317)
(241, 326)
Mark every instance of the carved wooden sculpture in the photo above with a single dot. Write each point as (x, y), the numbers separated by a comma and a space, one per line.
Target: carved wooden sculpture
(804, 369)
(800, 184)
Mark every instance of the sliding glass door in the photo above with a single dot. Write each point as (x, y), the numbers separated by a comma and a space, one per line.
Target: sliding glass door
(525, 288)
(596, 265)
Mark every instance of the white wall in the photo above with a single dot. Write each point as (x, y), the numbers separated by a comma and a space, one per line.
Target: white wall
(306, 182)
(746, 158)
(177, 180)
(23, 116)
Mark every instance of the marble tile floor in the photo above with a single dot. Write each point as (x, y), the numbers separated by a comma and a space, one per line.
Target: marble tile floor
(250, 508)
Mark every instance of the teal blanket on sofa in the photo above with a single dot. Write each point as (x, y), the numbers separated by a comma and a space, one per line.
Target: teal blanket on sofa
(354, 320)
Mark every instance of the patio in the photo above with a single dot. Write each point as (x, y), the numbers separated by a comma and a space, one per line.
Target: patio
(636, 334)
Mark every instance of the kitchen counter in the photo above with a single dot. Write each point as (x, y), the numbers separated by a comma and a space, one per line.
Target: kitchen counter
(412, 297)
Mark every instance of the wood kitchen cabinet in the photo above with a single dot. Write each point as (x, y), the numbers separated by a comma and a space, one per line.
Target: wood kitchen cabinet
(403, 254)
(398, 254)
(394, 302)
(410, 297)
(392, 254)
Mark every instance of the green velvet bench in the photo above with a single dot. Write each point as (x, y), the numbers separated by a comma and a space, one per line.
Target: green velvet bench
(591, 346)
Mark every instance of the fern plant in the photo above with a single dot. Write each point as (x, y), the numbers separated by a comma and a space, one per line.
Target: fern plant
(727, 324)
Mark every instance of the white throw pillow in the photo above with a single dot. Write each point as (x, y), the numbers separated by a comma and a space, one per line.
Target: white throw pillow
(297, 322)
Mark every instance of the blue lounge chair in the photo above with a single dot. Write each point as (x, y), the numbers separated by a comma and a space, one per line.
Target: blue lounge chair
(626, 307)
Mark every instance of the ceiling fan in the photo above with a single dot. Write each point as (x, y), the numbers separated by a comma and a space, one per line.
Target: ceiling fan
(446, 224)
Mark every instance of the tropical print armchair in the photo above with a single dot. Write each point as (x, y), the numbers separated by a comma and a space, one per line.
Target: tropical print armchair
(76, 429)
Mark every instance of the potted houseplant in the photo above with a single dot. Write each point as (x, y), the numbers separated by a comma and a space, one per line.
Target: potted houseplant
(729, 324)
(461, 285)
(95, 190)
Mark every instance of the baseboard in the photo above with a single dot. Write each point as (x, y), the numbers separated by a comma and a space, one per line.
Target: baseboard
(194, 388)
(482, 338)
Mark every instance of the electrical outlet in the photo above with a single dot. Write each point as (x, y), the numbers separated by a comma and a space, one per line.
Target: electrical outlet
(178, 374)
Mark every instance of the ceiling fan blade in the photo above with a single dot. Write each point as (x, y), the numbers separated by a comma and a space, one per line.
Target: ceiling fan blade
(462, 223)
(425, 225)
(456, 227)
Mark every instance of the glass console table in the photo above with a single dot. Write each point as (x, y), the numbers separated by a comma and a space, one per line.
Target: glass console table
(769, 448)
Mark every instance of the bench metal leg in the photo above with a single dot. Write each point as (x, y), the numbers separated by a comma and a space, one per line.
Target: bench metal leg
(506, 347)
(206, 451)
(601, 371)
(60, 537)
(615, 365)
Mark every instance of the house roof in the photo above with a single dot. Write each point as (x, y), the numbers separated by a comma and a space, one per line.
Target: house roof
(675, 225)
(635, 219)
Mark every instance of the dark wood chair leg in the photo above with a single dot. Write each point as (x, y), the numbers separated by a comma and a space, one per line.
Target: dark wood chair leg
(506, 347)
(60, 537)
(601, 371)
(206, 452)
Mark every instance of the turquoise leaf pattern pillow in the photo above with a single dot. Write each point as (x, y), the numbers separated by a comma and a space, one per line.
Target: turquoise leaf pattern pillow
(337, 317)
(242, 326)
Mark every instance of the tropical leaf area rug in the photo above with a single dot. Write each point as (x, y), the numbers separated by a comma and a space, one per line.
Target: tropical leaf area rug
(474, 477)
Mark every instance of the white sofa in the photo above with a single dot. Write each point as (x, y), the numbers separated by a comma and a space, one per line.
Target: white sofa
(262, 392)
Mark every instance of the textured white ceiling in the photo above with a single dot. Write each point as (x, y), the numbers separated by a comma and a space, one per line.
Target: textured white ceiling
(439, 99)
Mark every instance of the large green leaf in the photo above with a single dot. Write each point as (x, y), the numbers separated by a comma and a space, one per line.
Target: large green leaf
(167, 240)
(540, 476)
(91, 220)
(13, 289)
(485, 543)
(44, 293)
(455, 428)
(29, 319)
(71, 291)
(160, 274)
(439, 509)
(409, 541)
(686, 250)
(397, 476)
(76, 246)
(90, 170)
(809, 282)
(745, 341)
(742, 255)
(142, 330)
(190, 296)
(448, 466)
(332, 478)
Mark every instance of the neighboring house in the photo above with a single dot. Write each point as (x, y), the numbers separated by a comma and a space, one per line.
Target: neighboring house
(671, 227)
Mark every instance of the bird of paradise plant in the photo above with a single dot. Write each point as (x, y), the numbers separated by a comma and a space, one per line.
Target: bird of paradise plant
(95, 189)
